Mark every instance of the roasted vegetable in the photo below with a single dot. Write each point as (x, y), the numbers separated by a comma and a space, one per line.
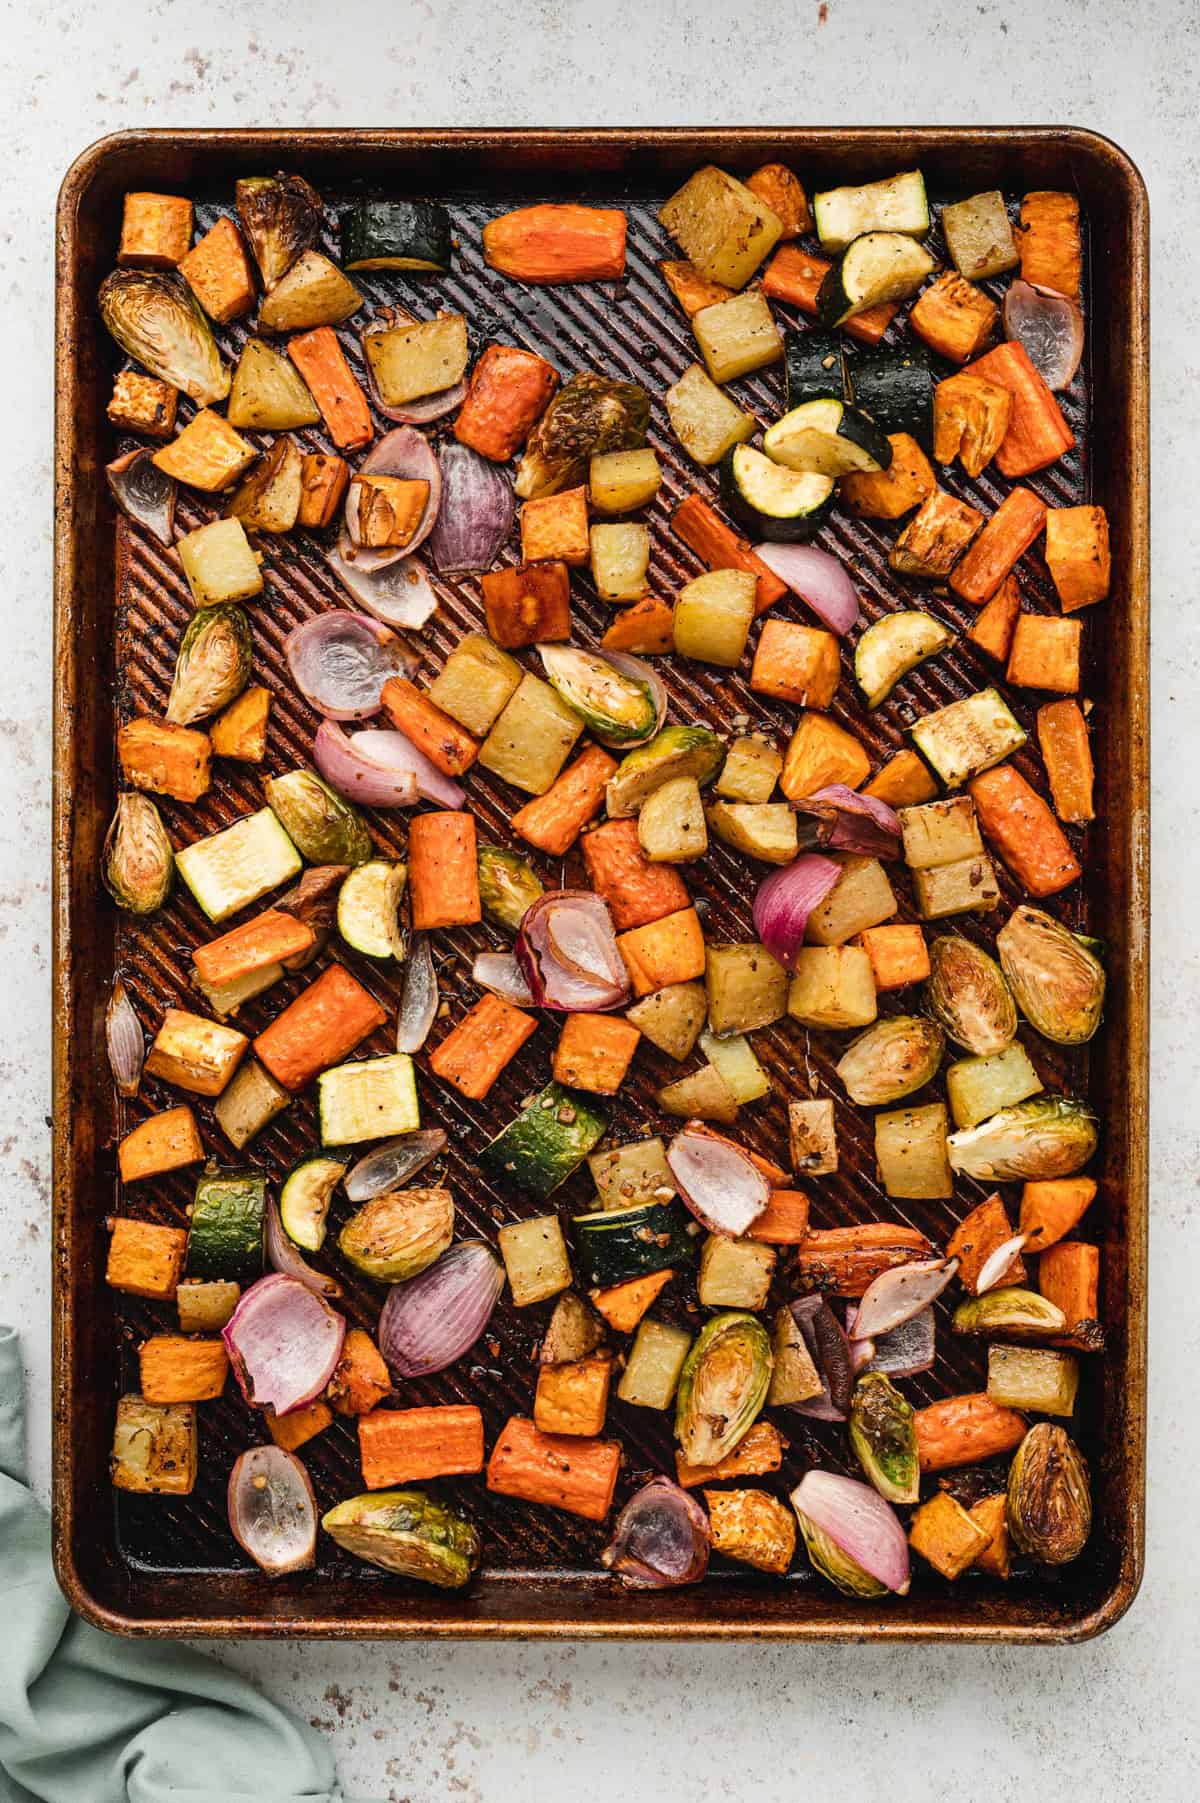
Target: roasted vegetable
(619, 707)
(884, 1438)
(1053, 1136)
(213, 666)
(281, 216)
(1014, 1313)
(891, 1059)
(969, 995)
(722, 1387)
(409, 1533)
(1049, 1500)
(589, 414)
(137, 863)
(325, 828)
(1057, 979)
(395, 1236)
(155, 319)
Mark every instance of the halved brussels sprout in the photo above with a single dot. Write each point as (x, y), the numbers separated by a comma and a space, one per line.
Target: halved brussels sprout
(1053, 1136)
(891, 1059)
(281, 217)
(1056, 977)
(324, 827)
(722, 1386)
(967, 992)
(213, 666)
(397, 1235)
(673, 752)
(137, 863)
(883, 1436)
(828, 1558)
(1049, 1498)
(589, 414)
(1020, 1314)
(407, 1532)
(618, 709)
(155, 318)
(508, 885)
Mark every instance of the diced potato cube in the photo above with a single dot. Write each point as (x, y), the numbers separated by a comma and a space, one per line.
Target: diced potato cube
(218, 272)
(967, 886)
(981, 1086)
(206, 1303)
(794, 1377)
(705, 420)
(195, 1054)
(862, 897)
(765, 830)
(155, 1447)
(750, 771)
(734, 1058)
(628, 1175)
(620, 559)
(738, 336)
(555, 527)
(418, 358)
(671, 1018)
(269, 498)
(832, 986)
(671, 828)
(941, 832)
(532, 738)
(655, 1361)
(208, 454)
(252, 1099)
(747, 988)
(1035, 1378)
(475, 682)
(704, 1096)
(145, 1259)
(143, 404)
(812, 1138)
(219, 564)
(713, 615)
(734, 1273)
(979, 236)
(156, 230)
(720, 226)
(910, 1150)
(535, 1258)
(619, 481)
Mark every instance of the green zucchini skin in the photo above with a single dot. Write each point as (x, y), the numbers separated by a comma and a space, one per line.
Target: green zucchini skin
(816, 368)
(879, 266)
(396, 234)
(780, 528)
(547, 1141)
(621, 1244)
(834, 426)
(894, 384)
(225, 1237)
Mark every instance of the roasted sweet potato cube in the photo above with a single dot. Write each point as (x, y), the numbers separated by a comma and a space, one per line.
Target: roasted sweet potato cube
(936, 537)
(165, 759)
(691, 289)
(555, 528)
(176, 1369)
(143, 404)
(891, 493)
(970, 420)
(154, 1447)
(1045, 654)
(208, 454)
(991, 1514)
(898, 954)
(145, 1259)
(756, 1453)
(165, 1142)
(156, 230)
(993, 630)
(1077, 555)
(942, 1532)
(573, 1398)
(292, 1430)
(1069, 1275)
(647, 629)
(528, 605)
(775, 184)
(323, 483)
(219, 274)
(361, 1378)
(976, 1237)
(389, 509)
(594, 1052)
(903, 782)
(1048, 241)
(954, 318)
(241, 731)
(796, 663)
(624, 1304)
(752, 1527)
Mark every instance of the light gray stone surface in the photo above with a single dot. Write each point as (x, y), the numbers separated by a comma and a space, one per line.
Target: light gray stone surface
(1108, 1722)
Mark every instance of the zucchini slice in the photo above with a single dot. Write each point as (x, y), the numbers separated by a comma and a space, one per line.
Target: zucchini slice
(827, 438)
(892, 647)
(675, 751)
(618, 708)
(396, 234)
(368, 909)
(773, 502)
(232, 868)
(225, 1234)
(816, 367)
(968, 736)
(371, 1099)
(620, 1244)
(305, 1197)
(896, 205)
(881, 266)
(547, 1141)
(894, 384)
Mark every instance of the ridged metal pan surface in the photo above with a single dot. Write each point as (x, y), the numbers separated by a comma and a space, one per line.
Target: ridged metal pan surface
(154, 1565)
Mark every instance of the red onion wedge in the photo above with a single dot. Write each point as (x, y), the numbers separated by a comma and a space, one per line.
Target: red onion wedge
(786, 898)
(842, 820)
(144, 493)
(994, 1268)
(831, 1353)
(124, 1041)
(283, 1343)
(1049, 327)
(904, 1352)
(404, 453)
(418, 997)
(343, 762)
(821, 581)
(340, 661)
(568, 952)
(502, 975)
(284, 1256)
(719, 1183)
(859, 1523)
(477, 511)
(398, 593)
(862, 1352)
(272, 1510)
(660, 1539)
(432, 1320)
(396, 751)
(895, 1296)
(393, 1164)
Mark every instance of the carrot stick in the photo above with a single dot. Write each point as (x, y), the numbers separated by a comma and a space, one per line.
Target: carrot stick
(473, 1053)
(1051, 1206)
(444, 742)
(966, 1430)
(843, 1261)
(1037, 432)
(361, 1378)
(721, 548)
(1023, 830)
(784, 1221)
(645, 629)
(756, 1453)
(401, 1446)
(554, 821)
(557, 242)
(1048, 241)
(560, 1470)
(795, 276)
(267, 939)
(318, 356)
(1002, 543)
(975, 1239)
(320, 1028)
(443, 875)
(994, 627)
(509, 392)
(637, 891)
(1063, 736)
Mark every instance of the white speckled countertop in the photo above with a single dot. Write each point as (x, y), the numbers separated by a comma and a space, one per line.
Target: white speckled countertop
(508, 1724)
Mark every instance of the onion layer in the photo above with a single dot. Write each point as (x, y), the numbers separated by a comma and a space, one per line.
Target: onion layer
(432, 1320)
(1049, 327)
(272, 1510)
(477, 511)
(283, 1343)
(830, 1351)
(125, 1041)
(500, 972)
(895, 1296)
(785, 900)
(821, 582)
(660, 1540)
(859, 1522)
(994, 1268)
(284, 1256)
(398, 593)
(568, 952)
(904, 1352)
(144, 493)
(418, 998)
(393, 1164)
(839, 818)
(397, 752)
(720, 1184)
(340, 661)
(343, 762)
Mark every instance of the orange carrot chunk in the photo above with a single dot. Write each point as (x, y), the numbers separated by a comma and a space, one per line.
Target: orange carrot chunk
(721, 548)
(1048, 241)
(444, 742)
(843, 1261)
(554, 821)
(320, 1028)
(443, 875)
(509, 392)
(267, 939)
(1069, 1275)
(1018, 823)
(1002, 543)
(560, 1470)
(1037, 433)
(784, 1221)
(404, 1446)
(318, 356)
(795, 276)
(474, 1053)
(557, 242)
(966, 1430)
(1067, 754)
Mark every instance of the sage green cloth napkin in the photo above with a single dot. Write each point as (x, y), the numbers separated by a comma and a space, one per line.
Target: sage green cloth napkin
(88, 1718)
